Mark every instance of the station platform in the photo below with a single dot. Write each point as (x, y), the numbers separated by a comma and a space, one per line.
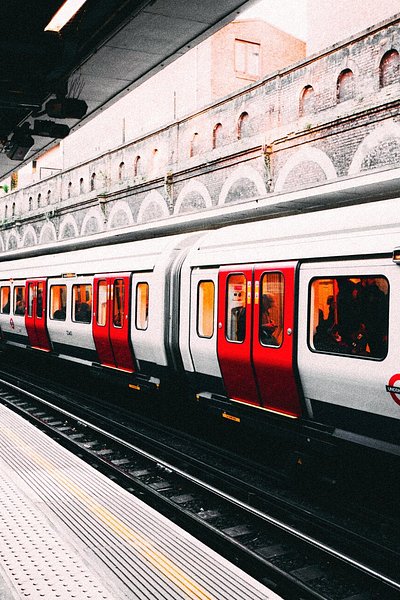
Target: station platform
(66, 531)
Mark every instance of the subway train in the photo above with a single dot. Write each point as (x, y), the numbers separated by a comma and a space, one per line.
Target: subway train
(289, 324)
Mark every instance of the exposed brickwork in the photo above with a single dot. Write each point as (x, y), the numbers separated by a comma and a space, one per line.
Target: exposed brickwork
(277, 50)
(277, 150)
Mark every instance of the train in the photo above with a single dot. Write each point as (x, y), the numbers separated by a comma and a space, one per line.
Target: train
(289, 324)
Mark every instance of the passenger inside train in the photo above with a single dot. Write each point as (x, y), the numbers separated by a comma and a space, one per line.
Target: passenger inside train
(267, 324)
(19, 299)
(352, 315)
(236, 308)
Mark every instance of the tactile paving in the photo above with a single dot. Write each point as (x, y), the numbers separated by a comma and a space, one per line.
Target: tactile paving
(142, 553)
(38, 563)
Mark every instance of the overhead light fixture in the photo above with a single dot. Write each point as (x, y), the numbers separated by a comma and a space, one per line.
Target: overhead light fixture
(64, 14)
(19, 145)
(50, 129)
(66, 108)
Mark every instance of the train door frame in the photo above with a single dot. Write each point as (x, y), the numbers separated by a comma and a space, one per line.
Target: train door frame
(235, 355)
(12, 323)
(274, 358)
(110, 328)
(203, 348)
(145, 328)
(72, 337)
(357, 384)
(36, 314)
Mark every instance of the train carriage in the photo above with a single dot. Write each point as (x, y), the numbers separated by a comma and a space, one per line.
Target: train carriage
(319, 294)
(93, 306)
(290, 323)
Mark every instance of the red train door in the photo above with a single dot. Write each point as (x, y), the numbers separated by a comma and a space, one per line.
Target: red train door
(273, 327)
(111, 321)
(234, 333)
(35, 316)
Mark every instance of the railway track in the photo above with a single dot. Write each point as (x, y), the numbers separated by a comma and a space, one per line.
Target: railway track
(289, 548)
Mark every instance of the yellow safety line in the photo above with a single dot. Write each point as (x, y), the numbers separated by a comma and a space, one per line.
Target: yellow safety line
(140, 543)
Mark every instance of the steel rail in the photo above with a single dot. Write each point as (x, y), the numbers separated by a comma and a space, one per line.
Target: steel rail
(207, 487)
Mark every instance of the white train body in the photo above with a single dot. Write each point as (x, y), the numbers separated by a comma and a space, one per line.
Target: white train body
(293, 321)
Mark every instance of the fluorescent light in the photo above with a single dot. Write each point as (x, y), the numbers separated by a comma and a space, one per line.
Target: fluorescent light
(64, 14)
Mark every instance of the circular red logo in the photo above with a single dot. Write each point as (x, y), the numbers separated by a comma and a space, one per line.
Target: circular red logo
(395, 393)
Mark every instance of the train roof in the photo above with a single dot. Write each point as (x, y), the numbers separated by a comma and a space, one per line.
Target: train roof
(364, 229)
(142, 255)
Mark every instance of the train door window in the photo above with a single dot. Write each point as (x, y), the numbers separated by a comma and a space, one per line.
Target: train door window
(19, 300)
(39, 300)
(236, 308)
(271, 309)
(205, 309)
(142, 306)
(102, 303)
(82, 303)
(350, 315)
(5, 299)
(118, 303)
(58, 302)
(31, 295)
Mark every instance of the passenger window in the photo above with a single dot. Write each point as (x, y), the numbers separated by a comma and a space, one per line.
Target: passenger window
(271, 309)
(102, 303)
(58, 302)
(19, 300)
(82, 303)
(205, 309)
(5, 299)
(39, 299)
(142, 306)
(118, 303)
(350, 315)
(236, 308)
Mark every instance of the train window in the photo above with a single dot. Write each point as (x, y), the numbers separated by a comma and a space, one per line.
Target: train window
(205, 309)
(5, 299)
(236, 308)
(82, 303)
(271, 309)
(142, 306)
(39, 300)
(19, 300)
(58, 302)
(118, 303)
(102, 303)
(350, 315)
(31, 295)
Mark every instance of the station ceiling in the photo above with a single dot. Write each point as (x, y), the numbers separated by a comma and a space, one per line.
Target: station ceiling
(108, 48)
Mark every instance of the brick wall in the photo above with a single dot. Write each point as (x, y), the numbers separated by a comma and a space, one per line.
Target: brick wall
(276, 148)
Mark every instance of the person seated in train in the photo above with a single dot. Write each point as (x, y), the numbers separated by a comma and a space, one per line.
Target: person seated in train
(348, 309)
(359, 344)
(20, 307)
(60, 314)
(331, 340)
(83, 313)
(6, 308)
(39, 304)
(374, 308)
(267, 324)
